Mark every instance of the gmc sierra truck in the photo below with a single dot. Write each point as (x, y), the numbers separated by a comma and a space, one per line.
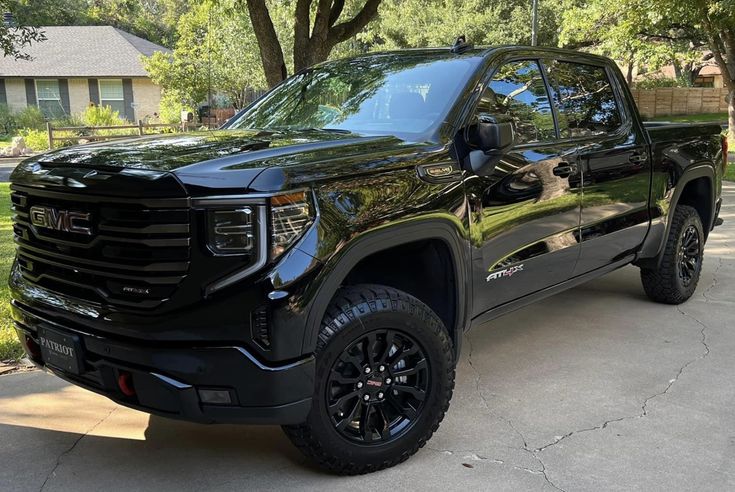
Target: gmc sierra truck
(315, 262)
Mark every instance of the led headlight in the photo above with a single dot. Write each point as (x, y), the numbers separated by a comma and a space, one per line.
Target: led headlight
(291, 216)
(231, 232)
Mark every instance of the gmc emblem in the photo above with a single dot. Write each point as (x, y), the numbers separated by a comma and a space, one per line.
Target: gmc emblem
(60, 220)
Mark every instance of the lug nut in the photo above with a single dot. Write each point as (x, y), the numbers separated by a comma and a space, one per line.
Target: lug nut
(367, 370)
(381, 368)
(388, 380)
(359, 384)
(380, 395)
(366, 397)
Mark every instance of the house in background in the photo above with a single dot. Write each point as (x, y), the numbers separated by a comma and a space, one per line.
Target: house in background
(79, 65)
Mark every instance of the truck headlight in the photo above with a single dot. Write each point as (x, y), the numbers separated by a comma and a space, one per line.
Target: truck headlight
(291, 216)
(231, 232)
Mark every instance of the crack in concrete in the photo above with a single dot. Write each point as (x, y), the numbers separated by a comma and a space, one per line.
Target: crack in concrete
(71, 448)
(478, 377)
(706, 291)
(644, 405)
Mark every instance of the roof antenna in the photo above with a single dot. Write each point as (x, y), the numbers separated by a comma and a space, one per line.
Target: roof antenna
(461, 45)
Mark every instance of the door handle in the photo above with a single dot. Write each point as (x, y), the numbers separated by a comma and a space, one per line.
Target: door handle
(638, 158)
(564, 170)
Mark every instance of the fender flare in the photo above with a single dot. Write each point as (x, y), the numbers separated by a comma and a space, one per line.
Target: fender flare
(699, 170)
(338, 267)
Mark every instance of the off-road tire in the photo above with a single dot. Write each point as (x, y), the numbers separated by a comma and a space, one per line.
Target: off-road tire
(354, 312)
(665, 283)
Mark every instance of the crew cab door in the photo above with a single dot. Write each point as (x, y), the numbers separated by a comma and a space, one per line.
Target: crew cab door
(612, 157)
(525, 213)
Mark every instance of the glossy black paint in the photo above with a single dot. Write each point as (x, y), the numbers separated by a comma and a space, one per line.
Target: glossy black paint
(373, 194)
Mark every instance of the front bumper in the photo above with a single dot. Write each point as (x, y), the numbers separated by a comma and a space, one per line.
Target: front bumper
(167, 378)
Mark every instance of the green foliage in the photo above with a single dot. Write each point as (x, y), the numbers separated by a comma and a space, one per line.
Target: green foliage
(35, 139)
(100, 116)
(216, 48)
(416, 23)
(154, 20)
(10, 348)
(172, 104)
(660, 81)
(8, 123)
(30, 117)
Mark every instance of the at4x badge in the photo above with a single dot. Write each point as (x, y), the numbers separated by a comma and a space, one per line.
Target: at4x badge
(506, 272)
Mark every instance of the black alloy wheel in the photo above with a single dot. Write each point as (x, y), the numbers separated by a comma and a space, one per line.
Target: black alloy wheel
(689, 253)
(378, 386)
(384, 377)
(674, 276)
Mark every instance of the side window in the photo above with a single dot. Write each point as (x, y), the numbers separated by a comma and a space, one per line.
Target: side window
(585, 99)
(517, 93)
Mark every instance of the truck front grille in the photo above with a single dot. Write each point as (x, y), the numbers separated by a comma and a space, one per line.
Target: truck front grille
(136, 254)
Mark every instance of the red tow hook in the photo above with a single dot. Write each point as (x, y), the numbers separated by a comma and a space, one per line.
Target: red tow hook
(125, 383)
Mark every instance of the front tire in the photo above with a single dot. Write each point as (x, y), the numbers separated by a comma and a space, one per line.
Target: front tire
(384, 378)
(676, 278)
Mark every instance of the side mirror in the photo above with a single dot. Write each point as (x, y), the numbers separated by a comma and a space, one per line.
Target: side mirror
(492, 137)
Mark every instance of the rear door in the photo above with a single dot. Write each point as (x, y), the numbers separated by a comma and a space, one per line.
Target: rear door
(612, 156)
(525, 215)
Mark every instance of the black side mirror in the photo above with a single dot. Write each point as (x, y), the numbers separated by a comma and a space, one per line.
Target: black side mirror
(489, 139)
(491, 136)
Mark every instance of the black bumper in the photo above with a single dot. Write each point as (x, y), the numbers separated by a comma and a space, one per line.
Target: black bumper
(167, 378)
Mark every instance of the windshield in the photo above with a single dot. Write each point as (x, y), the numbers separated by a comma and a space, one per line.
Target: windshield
(384, 94)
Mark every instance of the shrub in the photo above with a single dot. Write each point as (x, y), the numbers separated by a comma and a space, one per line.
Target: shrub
(30, 117)
(172, 106)
(101, 116)
(8, 124)
(69, 120)
(35, 139)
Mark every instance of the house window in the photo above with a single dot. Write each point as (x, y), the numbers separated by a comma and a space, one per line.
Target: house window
(48, 97)
(704, 82)
(111, 94)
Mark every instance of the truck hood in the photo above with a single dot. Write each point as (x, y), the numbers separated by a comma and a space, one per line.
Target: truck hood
(227, 159)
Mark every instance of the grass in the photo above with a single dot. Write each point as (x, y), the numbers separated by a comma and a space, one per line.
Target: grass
(730, 174)
(9, 345)
(693, 118)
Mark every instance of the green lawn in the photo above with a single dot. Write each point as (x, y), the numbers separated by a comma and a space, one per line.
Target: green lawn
(9, 345)
(693, 118)
(730, 174)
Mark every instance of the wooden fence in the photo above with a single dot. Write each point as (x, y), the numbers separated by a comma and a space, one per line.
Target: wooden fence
(668, 101)
(87, 132)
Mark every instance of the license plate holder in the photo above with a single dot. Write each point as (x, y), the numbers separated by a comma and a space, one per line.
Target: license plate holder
(61, 350)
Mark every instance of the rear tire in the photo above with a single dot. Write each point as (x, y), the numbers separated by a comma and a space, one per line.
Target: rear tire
(384, 378)
(676, 278)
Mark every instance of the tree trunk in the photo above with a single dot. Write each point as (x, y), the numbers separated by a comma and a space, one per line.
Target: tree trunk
(271, 54)
(731, 115)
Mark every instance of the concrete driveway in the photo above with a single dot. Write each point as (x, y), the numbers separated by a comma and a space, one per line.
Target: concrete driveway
(595, 388)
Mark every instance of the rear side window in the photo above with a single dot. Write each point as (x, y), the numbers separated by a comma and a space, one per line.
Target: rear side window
(517, 93)
(585, 99)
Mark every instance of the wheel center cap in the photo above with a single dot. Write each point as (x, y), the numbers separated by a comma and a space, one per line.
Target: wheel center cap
(374, 382)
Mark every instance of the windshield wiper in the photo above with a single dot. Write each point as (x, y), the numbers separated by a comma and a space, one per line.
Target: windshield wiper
(330, 130)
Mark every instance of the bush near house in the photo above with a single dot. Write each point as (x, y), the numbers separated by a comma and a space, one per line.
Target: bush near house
(10, 348)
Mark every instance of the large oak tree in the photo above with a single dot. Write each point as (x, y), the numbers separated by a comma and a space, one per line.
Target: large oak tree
(318, 28)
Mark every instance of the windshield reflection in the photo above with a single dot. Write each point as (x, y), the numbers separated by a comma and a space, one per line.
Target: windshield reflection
(385, 94)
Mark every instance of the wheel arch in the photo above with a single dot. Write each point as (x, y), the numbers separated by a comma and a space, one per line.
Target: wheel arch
(697, 182)
(383, 241)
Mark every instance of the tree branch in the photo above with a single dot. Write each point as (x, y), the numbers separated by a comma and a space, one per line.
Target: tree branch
(345, 30)
(336, 11)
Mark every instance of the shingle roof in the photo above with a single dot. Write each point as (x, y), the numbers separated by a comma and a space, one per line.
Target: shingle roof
(82, 51)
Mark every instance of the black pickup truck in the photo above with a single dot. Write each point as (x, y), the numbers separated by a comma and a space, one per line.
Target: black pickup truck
(315, 262)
